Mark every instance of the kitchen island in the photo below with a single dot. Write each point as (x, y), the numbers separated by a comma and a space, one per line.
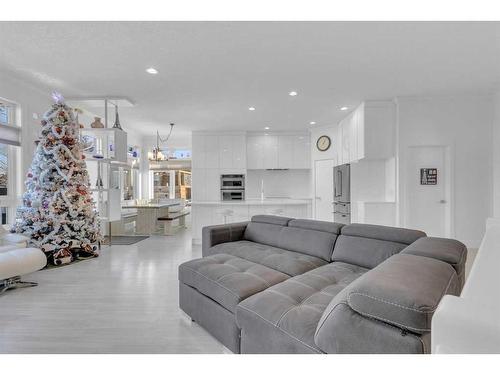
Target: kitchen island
(212, 212)
(148, 214)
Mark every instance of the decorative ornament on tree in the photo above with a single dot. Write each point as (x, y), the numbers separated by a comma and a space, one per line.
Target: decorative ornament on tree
(58, 212)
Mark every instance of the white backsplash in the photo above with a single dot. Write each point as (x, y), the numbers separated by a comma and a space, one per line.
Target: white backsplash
(293, 183)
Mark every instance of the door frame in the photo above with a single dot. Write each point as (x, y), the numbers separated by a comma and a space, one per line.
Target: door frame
(449, 186)
(314, 211)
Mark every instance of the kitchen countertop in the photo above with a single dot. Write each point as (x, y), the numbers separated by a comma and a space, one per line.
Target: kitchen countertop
(256, 202)
(152, 205)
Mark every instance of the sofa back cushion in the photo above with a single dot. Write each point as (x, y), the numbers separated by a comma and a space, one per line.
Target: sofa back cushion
(265, 229)
(311, 237)
(368, 245)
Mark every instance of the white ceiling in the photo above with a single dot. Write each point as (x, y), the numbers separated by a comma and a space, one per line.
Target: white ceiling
(211, 72)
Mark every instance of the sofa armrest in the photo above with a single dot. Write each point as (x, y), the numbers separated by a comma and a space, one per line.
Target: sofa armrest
(215, 234)
(447, 250)
(389, 308)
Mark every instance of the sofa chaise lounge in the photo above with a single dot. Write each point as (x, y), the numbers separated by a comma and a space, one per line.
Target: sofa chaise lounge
(282, 285)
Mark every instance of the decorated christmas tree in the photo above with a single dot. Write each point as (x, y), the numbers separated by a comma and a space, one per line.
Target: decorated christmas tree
(58, 212)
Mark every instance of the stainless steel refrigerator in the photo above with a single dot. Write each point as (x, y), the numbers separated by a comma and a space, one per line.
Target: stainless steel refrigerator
(342, 194)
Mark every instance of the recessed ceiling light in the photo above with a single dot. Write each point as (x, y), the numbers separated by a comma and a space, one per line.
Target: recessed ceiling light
(344, 108)
(292, 93)
(267, 128)
(152, 71)
(251, 108)
(312, 123)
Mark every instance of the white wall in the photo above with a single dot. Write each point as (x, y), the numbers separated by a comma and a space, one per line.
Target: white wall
(465, 124)
(293, 183)
(31, 100)
(496, 155)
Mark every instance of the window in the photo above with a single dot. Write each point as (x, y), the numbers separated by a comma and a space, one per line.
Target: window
(10, 161)
(4, 169)
(4, 114)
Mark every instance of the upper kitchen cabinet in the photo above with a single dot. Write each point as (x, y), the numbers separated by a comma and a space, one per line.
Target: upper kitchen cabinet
(205, 151)
(283, 151)
(367, 133)
(197, 151)
(213, 151)
(294, 151)
(262, 152)
(376, 130)
(232, 152)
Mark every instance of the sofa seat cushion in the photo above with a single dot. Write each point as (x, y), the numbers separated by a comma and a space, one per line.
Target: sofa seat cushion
(295, 306)
(227, 279)
(289, 262)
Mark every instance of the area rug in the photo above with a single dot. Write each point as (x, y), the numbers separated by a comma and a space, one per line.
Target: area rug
(124, 240)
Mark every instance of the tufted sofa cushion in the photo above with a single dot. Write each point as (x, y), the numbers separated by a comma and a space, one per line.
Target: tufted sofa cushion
(289, 262)
(227, 279)
(369, 245)
(311, 237)
(294, 307)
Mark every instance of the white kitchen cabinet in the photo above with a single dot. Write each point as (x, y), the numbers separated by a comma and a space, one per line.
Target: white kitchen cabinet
(296, 211)
(205, 151)
(202, 216)
(367, 133)
(262, 152)
(205, 184)
(270, 151)
(302, 151)
(225, 151)
(211, 151)
(198, 151)
(198, 186)
(255, 152)
(232, 152)
(212, 184)
(379, 130)
(285, 152)
(278, 151)
(353, 137)
(345, 142)
(239, 151)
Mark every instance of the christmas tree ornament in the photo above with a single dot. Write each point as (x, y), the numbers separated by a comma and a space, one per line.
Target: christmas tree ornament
(58, 213)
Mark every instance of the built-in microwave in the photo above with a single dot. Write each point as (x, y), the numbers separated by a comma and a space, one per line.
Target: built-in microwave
(232, 194)
(232, 181)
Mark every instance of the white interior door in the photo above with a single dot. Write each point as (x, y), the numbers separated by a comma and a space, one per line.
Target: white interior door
(323, 186)
(428, 201)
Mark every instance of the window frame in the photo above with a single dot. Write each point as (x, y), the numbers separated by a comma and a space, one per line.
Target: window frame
(14, 165)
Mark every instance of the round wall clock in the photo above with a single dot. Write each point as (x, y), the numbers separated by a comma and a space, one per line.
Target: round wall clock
(323, 143)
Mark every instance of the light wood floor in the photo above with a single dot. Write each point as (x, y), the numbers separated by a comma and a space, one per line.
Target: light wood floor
(125, 301)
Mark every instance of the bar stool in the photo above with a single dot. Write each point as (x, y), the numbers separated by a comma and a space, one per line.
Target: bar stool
(225, 212)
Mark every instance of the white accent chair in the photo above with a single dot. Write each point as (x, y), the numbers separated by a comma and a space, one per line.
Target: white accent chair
(17, 260)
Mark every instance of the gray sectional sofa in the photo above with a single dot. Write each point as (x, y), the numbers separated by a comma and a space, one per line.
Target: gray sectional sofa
(282, 285)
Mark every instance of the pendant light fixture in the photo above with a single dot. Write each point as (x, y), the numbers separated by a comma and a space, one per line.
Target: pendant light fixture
(156, 154)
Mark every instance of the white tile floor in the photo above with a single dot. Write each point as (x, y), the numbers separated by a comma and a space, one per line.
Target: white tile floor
(125, 301)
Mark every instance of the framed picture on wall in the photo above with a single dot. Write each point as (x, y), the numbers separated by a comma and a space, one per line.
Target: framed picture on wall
(428, 176)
